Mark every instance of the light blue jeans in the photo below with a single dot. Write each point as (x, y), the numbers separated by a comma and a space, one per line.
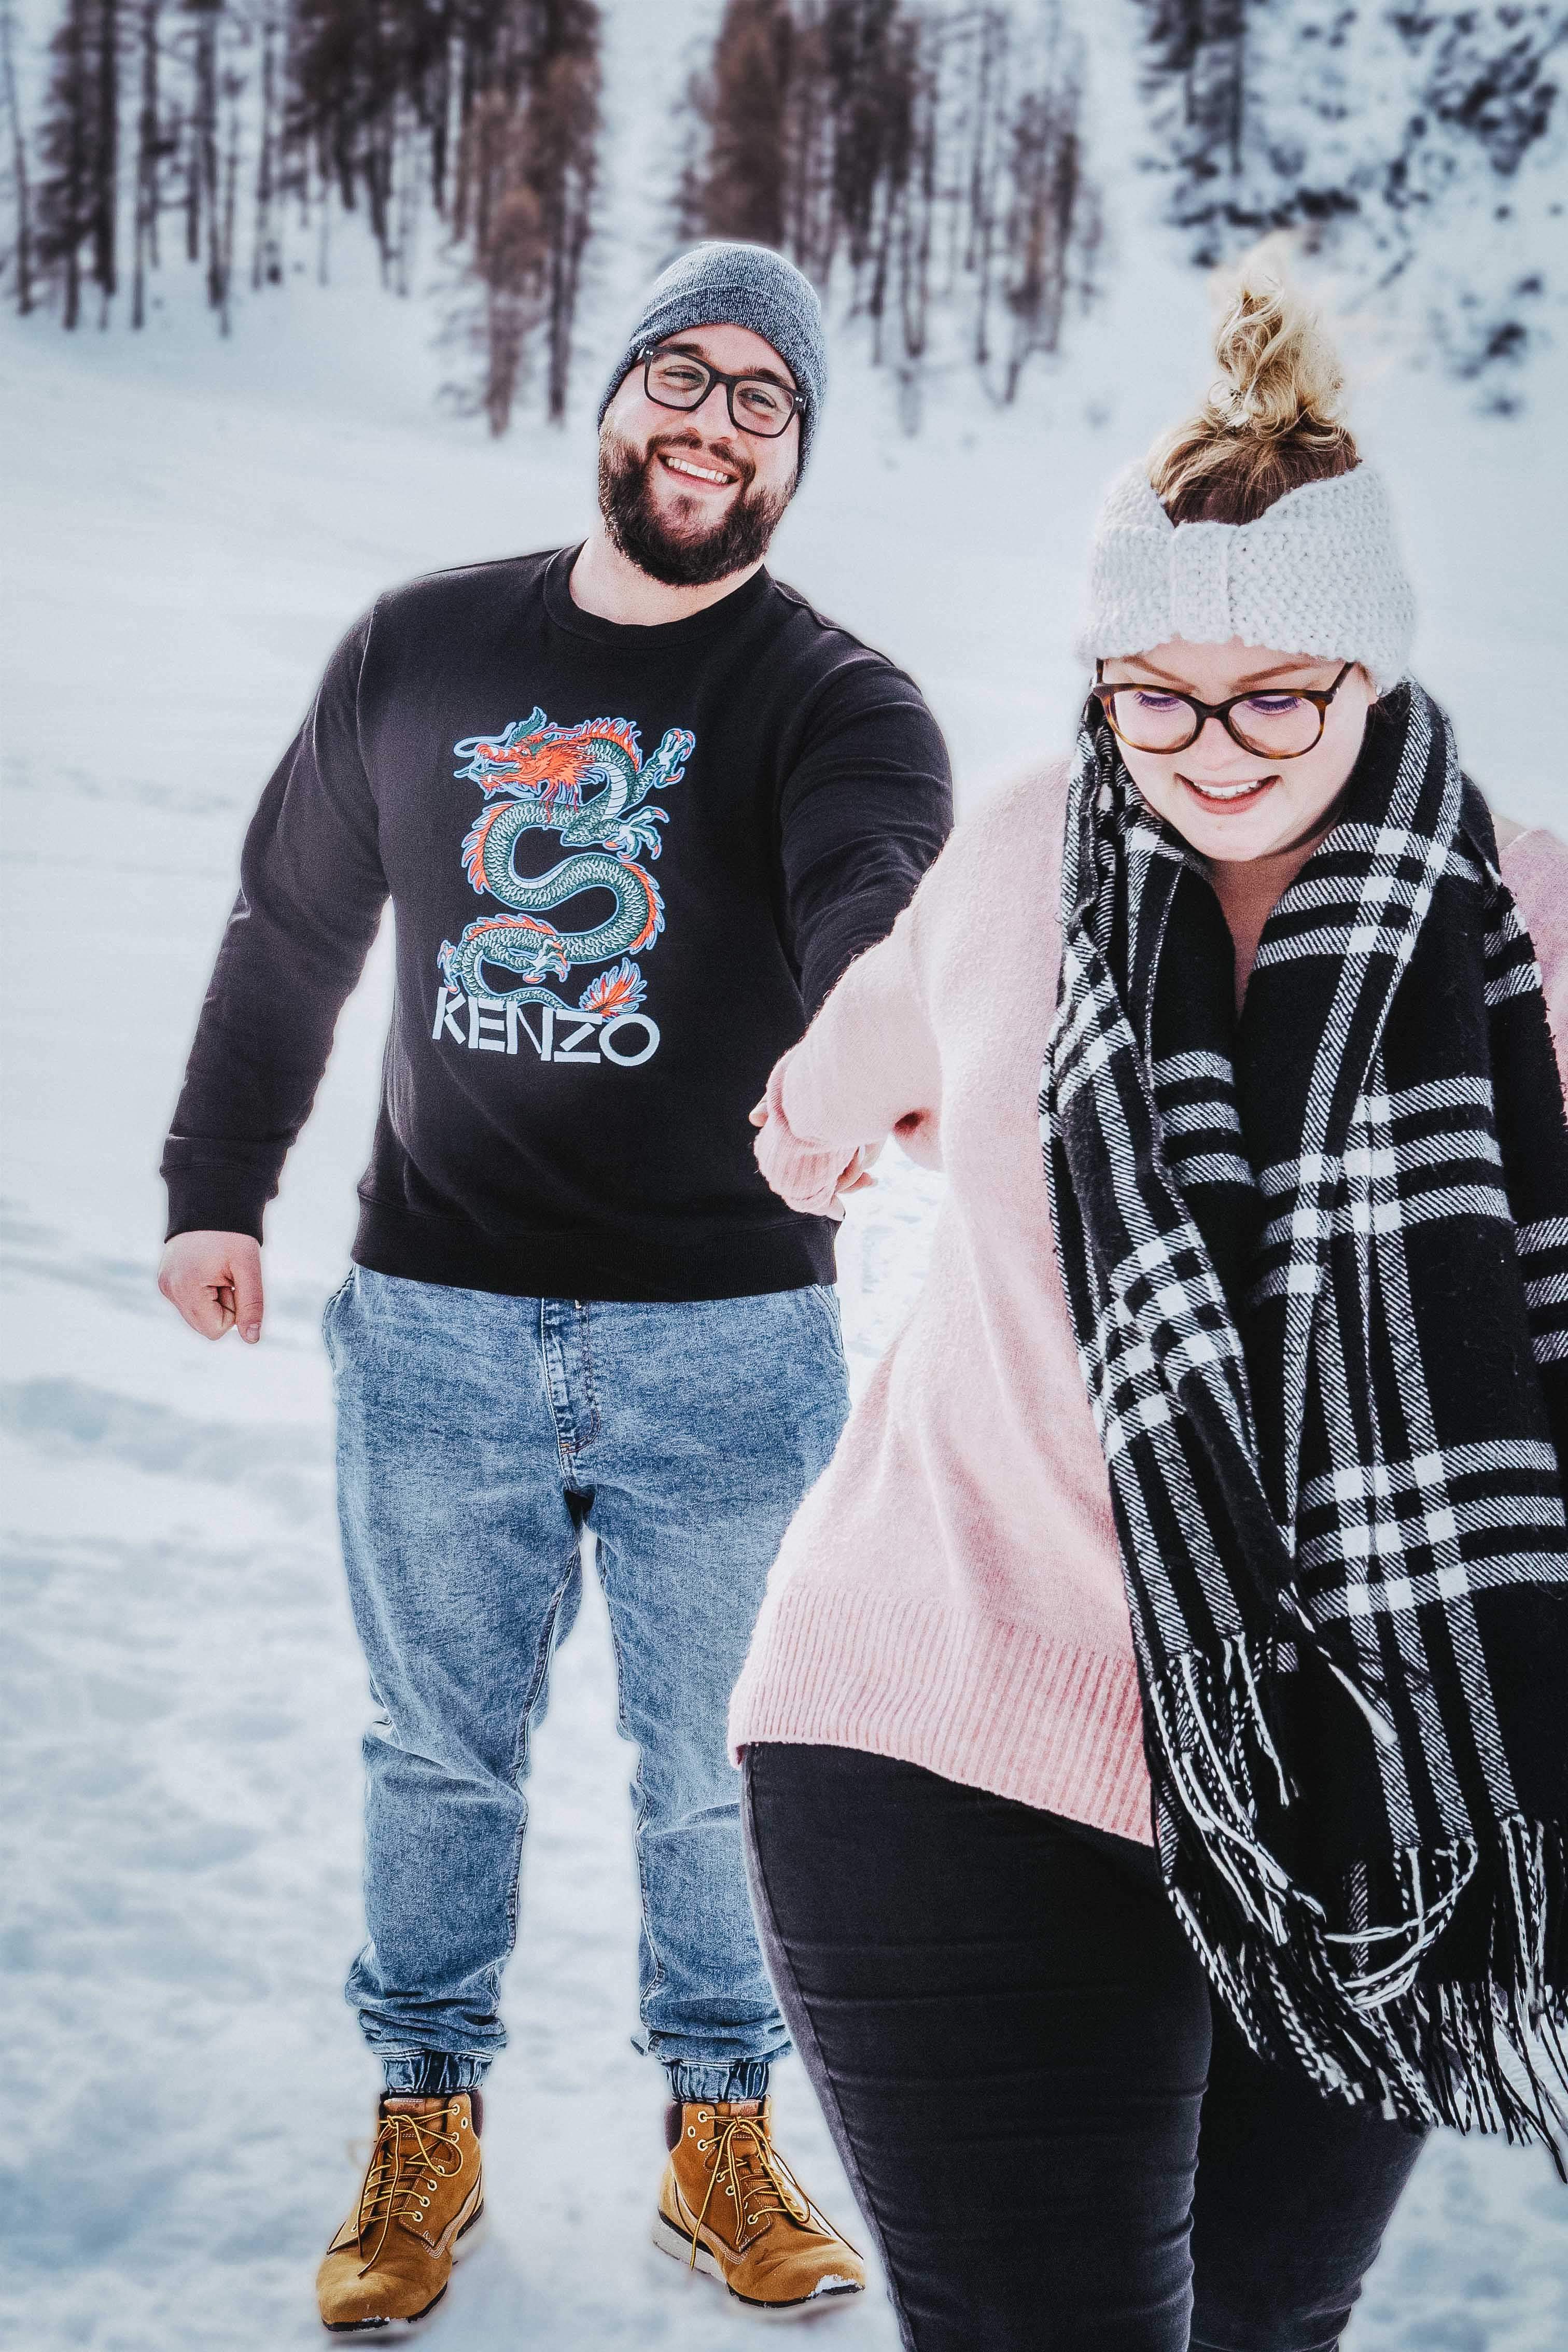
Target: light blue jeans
(477, 1435)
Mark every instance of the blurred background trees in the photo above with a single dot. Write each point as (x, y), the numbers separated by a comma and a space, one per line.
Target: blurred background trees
(923, 164)
(936, 166)
(1394, 137)
(226, 128)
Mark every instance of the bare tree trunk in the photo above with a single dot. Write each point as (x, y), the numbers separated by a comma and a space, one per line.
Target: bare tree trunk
(915, 276)
(206, 128)
(406, 186)
(377, 152)
(990, 131)
(377, 181)
(1051, 211)
(106, 158)
(233, 89)
(76, 164)
(878, 303)
(441, 88)
(266, 268)
(19, 167)
(294, 146)
(573, 177)
(194, 164)
(1236, 92)
(147, 154)
(568, 247)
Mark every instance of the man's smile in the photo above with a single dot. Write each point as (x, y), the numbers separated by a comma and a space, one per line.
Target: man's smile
(694, 472)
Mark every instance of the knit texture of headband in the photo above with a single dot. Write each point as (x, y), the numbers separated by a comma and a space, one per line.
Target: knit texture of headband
(1318, 573)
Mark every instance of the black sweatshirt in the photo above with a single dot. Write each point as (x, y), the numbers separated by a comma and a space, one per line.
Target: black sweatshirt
(626, 864)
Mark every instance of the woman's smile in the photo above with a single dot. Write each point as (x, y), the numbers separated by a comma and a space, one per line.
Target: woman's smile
(1223, 798)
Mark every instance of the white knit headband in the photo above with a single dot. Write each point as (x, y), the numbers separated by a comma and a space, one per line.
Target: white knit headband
(1318, 573)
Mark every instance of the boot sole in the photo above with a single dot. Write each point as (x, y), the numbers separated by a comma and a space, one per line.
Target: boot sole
(677, 2246)
(467, 2239)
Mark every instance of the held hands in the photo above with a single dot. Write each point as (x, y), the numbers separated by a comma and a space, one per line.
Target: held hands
(857, 1176)
(214, 1280)
(808, 1180)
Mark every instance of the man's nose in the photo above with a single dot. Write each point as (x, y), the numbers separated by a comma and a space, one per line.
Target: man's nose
(719, 393)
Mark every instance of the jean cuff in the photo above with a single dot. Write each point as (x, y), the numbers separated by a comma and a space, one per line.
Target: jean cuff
(739, 2078)
(432, 2073)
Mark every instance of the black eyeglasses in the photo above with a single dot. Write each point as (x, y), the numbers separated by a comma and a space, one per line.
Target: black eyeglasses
(756, 404)
(1162, 719)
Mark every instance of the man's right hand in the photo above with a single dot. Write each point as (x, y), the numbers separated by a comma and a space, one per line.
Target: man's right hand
(214, 1280)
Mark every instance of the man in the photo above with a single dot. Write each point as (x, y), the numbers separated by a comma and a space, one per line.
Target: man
(636, 806)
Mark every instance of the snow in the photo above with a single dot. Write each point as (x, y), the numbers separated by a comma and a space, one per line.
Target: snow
(191, 523)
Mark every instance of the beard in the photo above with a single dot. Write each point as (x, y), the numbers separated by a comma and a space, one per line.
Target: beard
(682, 559)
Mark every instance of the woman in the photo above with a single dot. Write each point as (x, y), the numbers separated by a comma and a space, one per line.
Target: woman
(1156, 1796)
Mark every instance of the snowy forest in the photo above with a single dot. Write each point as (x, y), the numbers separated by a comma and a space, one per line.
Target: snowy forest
(935, 166)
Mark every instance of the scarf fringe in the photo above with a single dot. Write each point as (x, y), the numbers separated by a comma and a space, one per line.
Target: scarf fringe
(1364, 2009)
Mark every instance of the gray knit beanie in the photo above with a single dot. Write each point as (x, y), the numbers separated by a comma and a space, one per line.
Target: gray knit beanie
(728, 285)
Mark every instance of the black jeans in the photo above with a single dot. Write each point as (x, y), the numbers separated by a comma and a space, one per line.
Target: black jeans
(1058, 2141)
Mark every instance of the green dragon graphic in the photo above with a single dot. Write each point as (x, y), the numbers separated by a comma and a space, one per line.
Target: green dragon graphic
(547, 775)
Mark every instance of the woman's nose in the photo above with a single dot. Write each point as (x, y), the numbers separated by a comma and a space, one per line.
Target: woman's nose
(1214, 737)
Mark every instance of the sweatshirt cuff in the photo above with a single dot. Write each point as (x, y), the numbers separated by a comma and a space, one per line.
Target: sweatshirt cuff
(210, 1200)
(804, 1175)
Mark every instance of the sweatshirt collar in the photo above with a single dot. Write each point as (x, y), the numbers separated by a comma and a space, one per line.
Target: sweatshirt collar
(628, 637)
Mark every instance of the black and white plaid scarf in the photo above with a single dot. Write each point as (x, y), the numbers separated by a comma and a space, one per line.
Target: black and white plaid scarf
(1317, 1264)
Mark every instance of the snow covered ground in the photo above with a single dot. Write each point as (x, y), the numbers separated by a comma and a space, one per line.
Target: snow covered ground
(190, 525)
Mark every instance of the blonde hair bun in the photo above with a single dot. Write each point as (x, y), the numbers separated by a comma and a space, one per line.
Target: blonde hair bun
(1272, 421)
(1278, 367)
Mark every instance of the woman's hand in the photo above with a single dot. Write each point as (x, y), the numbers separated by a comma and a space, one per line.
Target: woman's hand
(813, 1183)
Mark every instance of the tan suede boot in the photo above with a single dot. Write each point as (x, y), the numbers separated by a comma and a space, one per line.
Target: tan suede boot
(418, 2212)
(730, 2205)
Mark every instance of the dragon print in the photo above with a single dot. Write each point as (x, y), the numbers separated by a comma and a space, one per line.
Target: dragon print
(590, 784)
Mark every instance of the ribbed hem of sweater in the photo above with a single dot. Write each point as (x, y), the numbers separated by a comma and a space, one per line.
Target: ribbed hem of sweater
(709, 1258)
(1054, 1726)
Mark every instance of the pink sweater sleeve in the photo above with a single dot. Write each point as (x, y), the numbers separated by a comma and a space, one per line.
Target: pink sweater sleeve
(1535, 868)
(867, 1068)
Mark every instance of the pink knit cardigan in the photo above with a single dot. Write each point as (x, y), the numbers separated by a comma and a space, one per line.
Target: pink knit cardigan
(950, 1592)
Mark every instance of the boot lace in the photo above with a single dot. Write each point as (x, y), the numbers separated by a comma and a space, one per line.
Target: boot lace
(409, 2157)
(753, 2170)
